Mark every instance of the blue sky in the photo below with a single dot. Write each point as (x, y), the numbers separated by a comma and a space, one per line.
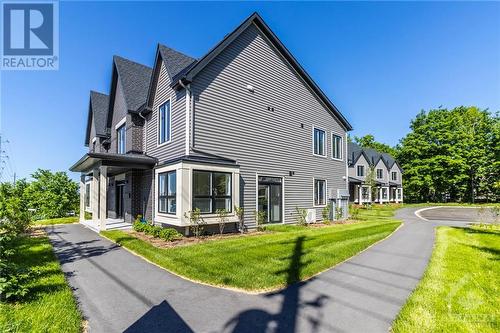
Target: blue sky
(380, 63)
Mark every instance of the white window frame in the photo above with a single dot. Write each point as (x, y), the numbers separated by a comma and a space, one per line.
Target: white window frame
(325, 145)
(124, 126)
(394, 178)
(166, 196)
(314, 192)
(357, 170)
(341, 158)
(169, 139)
(382, 173)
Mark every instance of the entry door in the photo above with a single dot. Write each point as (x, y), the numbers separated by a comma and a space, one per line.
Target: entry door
(119, 200)
(270, 198)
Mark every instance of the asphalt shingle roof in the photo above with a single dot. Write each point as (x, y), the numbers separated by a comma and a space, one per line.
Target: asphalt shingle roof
(135, 79)
(99, 104)
(354, 151)
(175, 61)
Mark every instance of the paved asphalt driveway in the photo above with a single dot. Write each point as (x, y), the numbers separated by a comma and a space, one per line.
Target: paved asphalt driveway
(120, 292)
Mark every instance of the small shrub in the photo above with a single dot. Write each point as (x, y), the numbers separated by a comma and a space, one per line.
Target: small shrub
(169, 234)
(222, 218)
(260, 219)
(325, 213)
(354, 210)
(301, 216)
(197, 222)
(139, 226)
(240, 212)
(339, 213)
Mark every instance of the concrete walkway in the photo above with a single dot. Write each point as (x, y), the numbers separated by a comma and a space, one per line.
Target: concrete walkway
(120, 292)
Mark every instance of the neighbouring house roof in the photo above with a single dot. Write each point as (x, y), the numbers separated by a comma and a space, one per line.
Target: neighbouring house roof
(192, 67)
(131, 161)
(98, 111)
(354, 152)
(134, 79)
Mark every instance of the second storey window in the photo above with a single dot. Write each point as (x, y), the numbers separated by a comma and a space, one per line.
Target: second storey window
(319, 142)
(380, 173)
(319, 192)
(336, 147)
(394, 175)
(211, 191)
(120, 139)
(164, 128)
(361, 170)
(167, 188)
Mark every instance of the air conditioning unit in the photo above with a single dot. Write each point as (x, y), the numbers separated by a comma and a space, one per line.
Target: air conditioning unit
(311, 216)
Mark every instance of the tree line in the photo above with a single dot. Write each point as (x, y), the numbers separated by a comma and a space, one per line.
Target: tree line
(448, 155)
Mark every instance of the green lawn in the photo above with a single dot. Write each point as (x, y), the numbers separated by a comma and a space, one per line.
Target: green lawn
(60, 220)
(285, 255)
(49, 305)
(460, 291)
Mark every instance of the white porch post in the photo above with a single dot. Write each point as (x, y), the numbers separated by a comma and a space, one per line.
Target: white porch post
(380, 198)
(369, 194)
(95, 196)
(103, 190)
(360, 194)
(82, 198)
(401, 195)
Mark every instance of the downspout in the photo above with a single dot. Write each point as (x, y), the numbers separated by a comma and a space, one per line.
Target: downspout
(189, 123)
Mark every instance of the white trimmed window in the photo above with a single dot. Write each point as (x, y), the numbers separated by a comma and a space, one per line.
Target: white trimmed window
(165, 123)
(212, 191)
(121, 139)
(167, 190)
(360, 170)
(380, 173)
(319, 142)
(319, 192)
(394, 175)
(336, 147)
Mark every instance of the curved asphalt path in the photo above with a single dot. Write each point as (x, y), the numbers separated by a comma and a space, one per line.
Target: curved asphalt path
(120, 292)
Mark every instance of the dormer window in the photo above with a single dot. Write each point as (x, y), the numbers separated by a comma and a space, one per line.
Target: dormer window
(120, 139)
(165, 123)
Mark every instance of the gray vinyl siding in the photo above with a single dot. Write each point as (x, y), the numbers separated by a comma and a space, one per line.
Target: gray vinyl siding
(353, 170)
(176, 147)
(385, 172)
(91, 137)
(398, 170)
(236, 124)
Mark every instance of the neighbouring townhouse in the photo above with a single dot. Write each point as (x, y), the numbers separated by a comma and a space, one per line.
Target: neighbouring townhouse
(373, 176)
(243, 126)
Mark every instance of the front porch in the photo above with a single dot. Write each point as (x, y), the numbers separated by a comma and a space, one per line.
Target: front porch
(114, 189)
(361, 193)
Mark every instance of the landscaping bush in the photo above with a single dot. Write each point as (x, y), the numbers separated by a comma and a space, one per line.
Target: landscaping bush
(167, 234)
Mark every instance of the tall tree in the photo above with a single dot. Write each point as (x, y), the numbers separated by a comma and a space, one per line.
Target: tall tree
(368, 141)
(451, 153)
(52, 194)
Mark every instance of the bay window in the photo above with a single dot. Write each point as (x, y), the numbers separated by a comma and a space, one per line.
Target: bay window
(212, 191)
(167, 190)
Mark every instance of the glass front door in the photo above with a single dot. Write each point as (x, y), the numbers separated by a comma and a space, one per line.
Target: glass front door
(270, 198)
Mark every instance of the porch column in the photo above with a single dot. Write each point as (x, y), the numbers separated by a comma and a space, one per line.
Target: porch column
(95, 196)
(103, 191)
(401, 192)
(380, 197)
(369, 194)
(360, 194)
(82, 198)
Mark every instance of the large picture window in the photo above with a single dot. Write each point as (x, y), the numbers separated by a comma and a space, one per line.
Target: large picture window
(167, 184)
(319, 142)
(336, 147)
(164, 128)
(319, 192)
(212, 191)
(120, 139)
